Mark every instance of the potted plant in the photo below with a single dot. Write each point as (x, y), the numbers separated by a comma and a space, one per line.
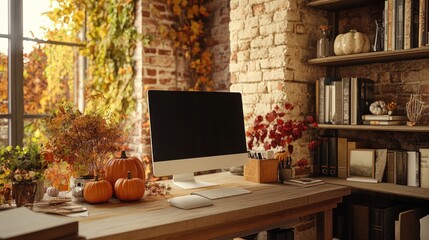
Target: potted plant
(83, 140)
(277, 133)
(21, 169)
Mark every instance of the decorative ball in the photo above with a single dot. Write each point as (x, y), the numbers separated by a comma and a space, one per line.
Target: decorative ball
(52, 191)
(378, 108)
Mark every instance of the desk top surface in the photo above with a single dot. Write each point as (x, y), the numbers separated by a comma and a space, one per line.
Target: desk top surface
(153, 217)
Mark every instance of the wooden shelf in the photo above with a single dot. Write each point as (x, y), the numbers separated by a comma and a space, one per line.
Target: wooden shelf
(372, 57)
(402, 128)
(337, 4)
(386, 188)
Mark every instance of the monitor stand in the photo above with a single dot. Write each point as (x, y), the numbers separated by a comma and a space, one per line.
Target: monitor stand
(187, 181)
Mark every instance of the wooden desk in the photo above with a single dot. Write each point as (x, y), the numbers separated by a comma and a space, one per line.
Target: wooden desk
(268, 206)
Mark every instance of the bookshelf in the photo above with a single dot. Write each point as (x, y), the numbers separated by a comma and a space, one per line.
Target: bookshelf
(372, 57)
(337, 4)
(343, 14)
(402, 128)
(385, 188)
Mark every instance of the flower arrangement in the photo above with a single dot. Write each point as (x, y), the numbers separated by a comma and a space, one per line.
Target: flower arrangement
(83, 140)
(274, 132)
(19, 165)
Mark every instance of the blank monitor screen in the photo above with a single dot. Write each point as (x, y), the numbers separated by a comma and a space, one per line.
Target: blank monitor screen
(196, 130)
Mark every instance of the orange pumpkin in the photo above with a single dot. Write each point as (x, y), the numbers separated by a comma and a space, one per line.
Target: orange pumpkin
(116, 168)
(129, 189)
(97, 191)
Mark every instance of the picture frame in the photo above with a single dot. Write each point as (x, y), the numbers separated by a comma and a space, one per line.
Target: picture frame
(362, 163)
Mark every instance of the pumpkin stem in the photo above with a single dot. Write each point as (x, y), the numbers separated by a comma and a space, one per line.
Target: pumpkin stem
(123, 155)
(129, 175)
(96, 178)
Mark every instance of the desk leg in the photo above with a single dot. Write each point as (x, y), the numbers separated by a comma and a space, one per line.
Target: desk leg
(324, 225)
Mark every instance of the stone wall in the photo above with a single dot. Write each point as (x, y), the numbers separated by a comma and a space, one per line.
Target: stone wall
(271, 40)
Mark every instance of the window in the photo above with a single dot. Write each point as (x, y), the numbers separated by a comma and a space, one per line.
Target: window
(39, 66)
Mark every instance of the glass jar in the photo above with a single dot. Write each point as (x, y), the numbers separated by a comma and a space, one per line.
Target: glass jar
(324, 43)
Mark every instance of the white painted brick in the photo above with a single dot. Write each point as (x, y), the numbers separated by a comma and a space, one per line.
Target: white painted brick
(276, 5)
(293, 15)
(265, 19)
(267, 29)
(243, 56)
(250, 88)
(276, 74)
(279, 38)
(248, 33)
(277, 51)
(251, 22)
(236, 26)
(280, 16)
(259, 53)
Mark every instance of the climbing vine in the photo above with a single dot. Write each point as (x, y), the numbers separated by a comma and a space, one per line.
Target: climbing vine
(111, 39)
(189, 36)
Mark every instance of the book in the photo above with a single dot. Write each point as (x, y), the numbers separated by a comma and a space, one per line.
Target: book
(346, 100)
(304, 182)
(424, 167)
(384, 117)
(329, 105)
(22, 223)
(385, 123)
(338, 102)
(382, 220)
(380, 163)
(413, 168)
(415, 23)
(362, 179)
(389, 28)
(422, 23)
(399, 38)
(342, 165)
(321, 97)
(409, 226)
(393, 24)
(324, 156)
(385, 24)
(400, 168)
(360, 221)
(332, 156)
(408, 19)
(361, 96)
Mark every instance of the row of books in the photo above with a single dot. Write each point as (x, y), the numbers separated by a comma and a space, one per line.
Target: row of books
(343, 101)
(355, 161)
(405, 24)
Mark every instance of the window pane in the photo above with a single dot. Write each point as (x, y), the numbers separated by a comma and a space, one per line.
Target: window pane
(3, 76)
(4, 17)
(33, 126)
(4, 132)
(49, 73)
(38, 25)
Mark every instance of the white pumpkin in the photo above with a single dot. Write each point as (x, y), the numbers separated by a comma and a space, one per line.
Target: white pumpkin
(378, 108)
(351, 43)
(52, 191)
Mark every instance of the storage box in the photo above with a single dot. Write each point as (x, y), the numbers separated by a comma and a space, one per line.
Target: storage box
(261, 170)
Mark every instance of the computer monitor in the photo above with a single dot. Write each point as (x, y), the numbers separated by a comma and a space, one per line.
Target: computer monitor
(195, 131)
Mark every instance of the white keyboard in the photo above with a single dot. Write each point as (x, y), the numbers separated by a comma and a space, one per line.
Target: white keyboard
(221, 192)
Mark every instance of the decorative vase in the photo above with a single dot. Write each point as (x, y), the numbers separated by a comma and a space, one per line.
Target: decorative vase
(24, 192)
(324, 44)
(379, 36)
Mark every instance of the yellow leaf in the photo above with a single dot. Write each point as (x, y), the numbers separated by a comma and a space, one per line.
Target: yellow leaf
(204, 12)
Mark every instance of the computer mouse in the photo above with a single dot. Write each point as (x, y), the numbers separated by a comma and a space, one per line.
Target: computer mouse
(190, 202)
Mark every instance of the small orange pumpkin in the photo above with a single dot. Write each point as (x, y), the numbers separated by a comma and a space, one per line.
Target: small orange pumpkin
(129, 189)
(97, 191)
(116, 168)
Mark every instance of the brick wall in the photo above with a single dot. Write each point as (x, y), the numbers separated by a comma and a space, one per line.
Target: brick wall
(271, 41)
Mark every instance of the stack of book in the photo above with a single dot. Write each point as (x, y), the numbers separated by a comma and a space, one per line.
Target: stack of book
(304, 182)
(384, 119)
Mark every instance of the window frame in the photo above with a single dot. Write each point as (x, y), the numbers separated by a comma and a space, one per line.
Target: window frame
(16, 115)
